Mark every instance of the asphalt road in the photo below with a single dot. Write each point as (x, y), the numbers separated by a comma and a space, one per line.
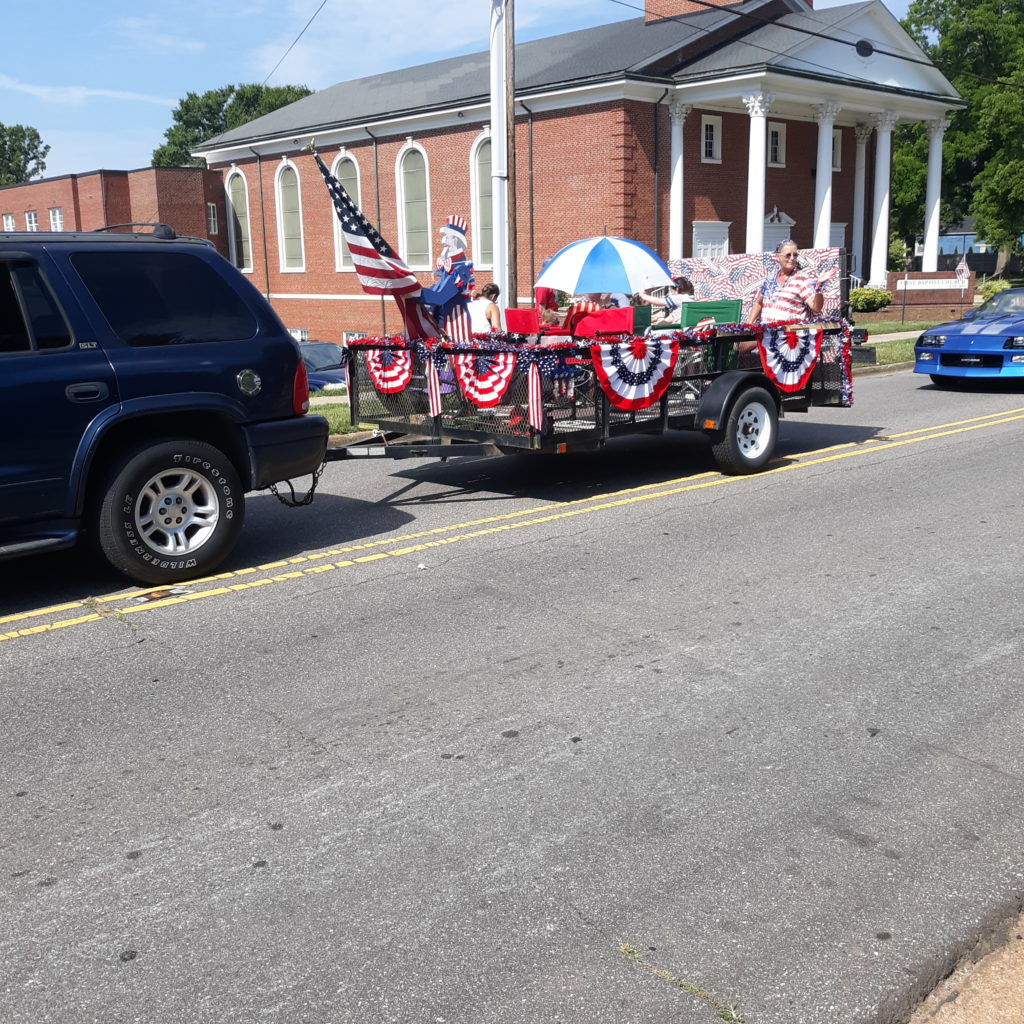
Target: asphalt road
(604, 738)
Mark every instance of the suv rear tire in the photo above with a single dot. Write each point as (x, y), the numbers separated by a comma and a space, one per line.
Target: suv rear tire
(170, 511)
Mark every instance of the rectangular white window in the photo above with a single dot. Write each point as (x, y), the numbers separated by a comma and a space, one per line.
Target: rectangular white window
(299, 333)
(776, 144)
(31, 221)
(710, 238)
(211, 218)
(837, 150)
(711, 139)
(9, 222)
(56, 218)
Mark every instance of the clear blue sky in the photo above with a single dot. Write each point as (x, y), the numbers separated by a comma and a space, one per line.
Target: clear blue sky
(99, 80)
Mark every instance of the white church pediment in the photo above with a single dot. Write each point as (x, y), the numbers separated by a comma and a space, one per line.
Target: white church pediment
(872, 24)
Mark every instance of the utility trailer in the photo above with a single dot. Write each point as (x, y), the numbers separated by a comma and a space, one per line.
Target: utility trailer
(508, 394)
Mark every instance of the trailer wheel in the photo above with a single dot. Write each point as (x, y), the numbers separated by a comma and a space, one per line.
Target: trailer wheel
(750, 433)
(169, 511)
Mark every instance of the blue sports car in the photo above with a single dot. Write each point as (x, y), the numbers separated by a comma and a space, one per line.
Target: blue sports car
(987, 342)
(325, 365)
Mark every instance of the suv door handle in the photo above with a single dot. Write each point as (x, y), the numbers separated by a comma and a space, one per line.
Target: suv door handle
(87, 391)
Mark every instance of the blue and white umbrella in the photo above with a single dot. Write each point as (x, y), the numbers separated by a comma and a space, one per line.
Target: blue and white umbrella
(604, 264)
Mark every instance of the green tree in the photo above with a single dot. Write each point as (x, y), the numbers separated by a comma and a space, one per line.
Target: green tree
(22, 154)
(979, 46)
(200, 117)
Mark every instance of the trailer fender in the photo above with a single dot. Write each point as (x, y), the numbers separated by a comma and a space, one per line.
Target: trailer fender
(715, 403)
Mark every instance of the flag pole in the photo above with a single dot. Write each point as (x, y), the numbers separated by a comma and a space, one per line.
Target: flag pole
(499, 148)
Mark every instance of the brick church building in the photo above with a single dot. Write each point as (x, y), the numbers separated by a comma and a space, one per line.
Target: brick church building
(698, 129)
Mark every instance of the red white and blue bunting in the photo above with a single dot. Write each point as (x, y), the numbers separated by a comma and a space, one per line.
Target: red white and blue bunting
(483, 377)
(788, 356)
(636, 372)
(390, 369)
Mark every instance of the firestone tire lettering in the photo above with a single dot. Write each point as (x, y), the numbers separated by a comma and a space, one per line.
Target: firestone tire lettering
(142, 538)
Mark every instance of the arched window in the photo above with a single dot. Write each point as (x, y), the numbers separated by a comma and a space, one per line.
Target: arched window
(483, 215)
(239, 239)
(289, 219)
(347, 172)
(414, 208)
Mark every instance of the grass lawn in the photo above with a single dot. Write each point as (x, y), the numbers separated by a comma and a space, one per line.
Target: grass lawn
(887, 352)
(337, 416)
(896, 326)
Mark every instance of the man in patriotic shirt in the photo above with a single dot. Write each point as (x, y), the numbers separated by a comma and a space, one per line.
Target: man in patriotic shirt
(789, 294)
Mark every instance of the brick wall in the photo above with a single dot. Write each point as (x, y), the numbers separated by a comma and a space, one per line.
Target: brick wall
(171, 195)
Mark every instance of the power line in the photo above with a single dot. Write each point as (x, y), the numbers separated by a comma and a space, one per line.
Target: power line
(295, 40)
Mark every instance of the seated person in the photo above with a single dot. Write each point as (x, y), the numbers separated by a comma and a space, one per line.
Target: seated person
(484, 315)
(682, 291)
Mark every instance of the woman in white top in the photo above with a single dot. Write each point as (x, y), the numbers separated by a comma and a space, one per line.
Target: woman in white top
(484, 315)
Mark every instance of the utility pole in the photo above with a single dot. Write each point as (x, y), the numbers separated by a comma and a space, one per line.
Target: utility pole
(511, 296)
(502, 80)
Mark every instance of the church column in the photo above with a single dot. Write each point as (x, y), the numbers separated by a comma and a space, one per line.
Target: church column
(883, 123)
(825, 115)
(936, 129)
(863, 133)
(677, 112)
(758, 106)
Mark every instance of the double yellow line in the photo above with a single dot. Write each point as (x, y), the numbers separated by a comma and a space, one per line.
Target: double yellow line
(94, 609)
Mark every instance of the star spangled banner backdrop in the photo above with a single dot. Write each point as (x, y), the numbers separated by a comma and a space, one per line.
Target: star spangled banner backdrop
(634, 373)
(379, 268)
(741, 275)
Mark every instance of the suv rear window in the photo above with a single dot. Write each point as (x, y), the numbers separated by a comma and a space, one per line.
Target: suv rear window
(29, 315)
(164, 298)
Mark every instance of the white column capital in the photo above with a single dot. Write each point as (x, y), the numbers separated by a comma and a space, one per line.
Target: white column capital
(759, 103)
(937, 127)
(885, 121)
(678, 111)
(862, 132)
(825, 113)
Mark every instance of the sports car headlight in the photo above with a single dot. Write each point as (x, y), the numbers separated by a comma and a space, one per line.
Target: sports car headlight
(1017, 342)
(931, 341)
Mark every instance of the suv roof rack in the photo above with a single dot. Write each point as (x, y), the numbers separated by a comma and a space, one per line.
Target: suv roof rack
(159, 230)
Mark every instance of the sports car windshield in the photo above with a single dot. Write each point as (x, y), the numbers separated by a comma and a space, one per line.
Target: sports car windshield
(1002, 303)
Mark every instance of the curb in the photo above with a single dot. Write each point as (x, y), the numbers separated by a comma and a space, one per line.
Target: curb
(867, 369)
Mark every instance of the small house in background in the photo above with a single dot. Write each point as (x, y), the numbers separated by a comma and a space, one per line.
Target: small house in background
(189, 199)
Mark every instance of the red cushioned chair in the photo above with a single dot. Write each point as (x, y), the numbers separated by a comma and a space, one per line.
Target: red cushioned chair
(522, 321)
(618, 320)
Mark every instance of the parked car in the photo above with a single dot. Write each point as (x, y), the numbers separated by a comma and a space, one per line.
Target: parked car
(987, 342)
(325, 365)
(145, 387)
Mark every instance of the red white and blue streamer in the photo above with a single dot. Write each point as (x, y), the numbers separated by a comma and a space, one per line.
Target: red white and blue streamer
(483, 377)
(634, 373)
(534, 398)
(788, 356)
(390, 369)
(433, 386)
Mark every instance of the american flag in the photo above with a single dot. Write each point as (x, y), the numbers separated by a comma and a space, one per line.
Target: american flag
(535, 400)
(379, 269)
(963, 272)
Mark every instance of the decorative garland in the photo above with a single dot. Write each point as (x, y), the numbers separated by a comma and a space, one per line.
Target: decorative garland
(629, 372)
(788, 356)
(634, 373)
(390, 369)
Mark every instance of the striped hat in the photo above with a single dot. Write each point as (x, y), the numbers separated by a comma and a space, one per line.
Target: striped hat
(457, 223)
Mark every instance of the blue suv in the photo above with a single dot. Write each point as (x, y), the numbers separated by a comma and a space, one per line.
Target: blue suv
(145, 387)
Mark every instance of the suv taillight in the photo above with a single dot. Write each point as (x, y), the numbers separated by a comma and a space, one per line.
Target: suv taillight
(300, 390)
